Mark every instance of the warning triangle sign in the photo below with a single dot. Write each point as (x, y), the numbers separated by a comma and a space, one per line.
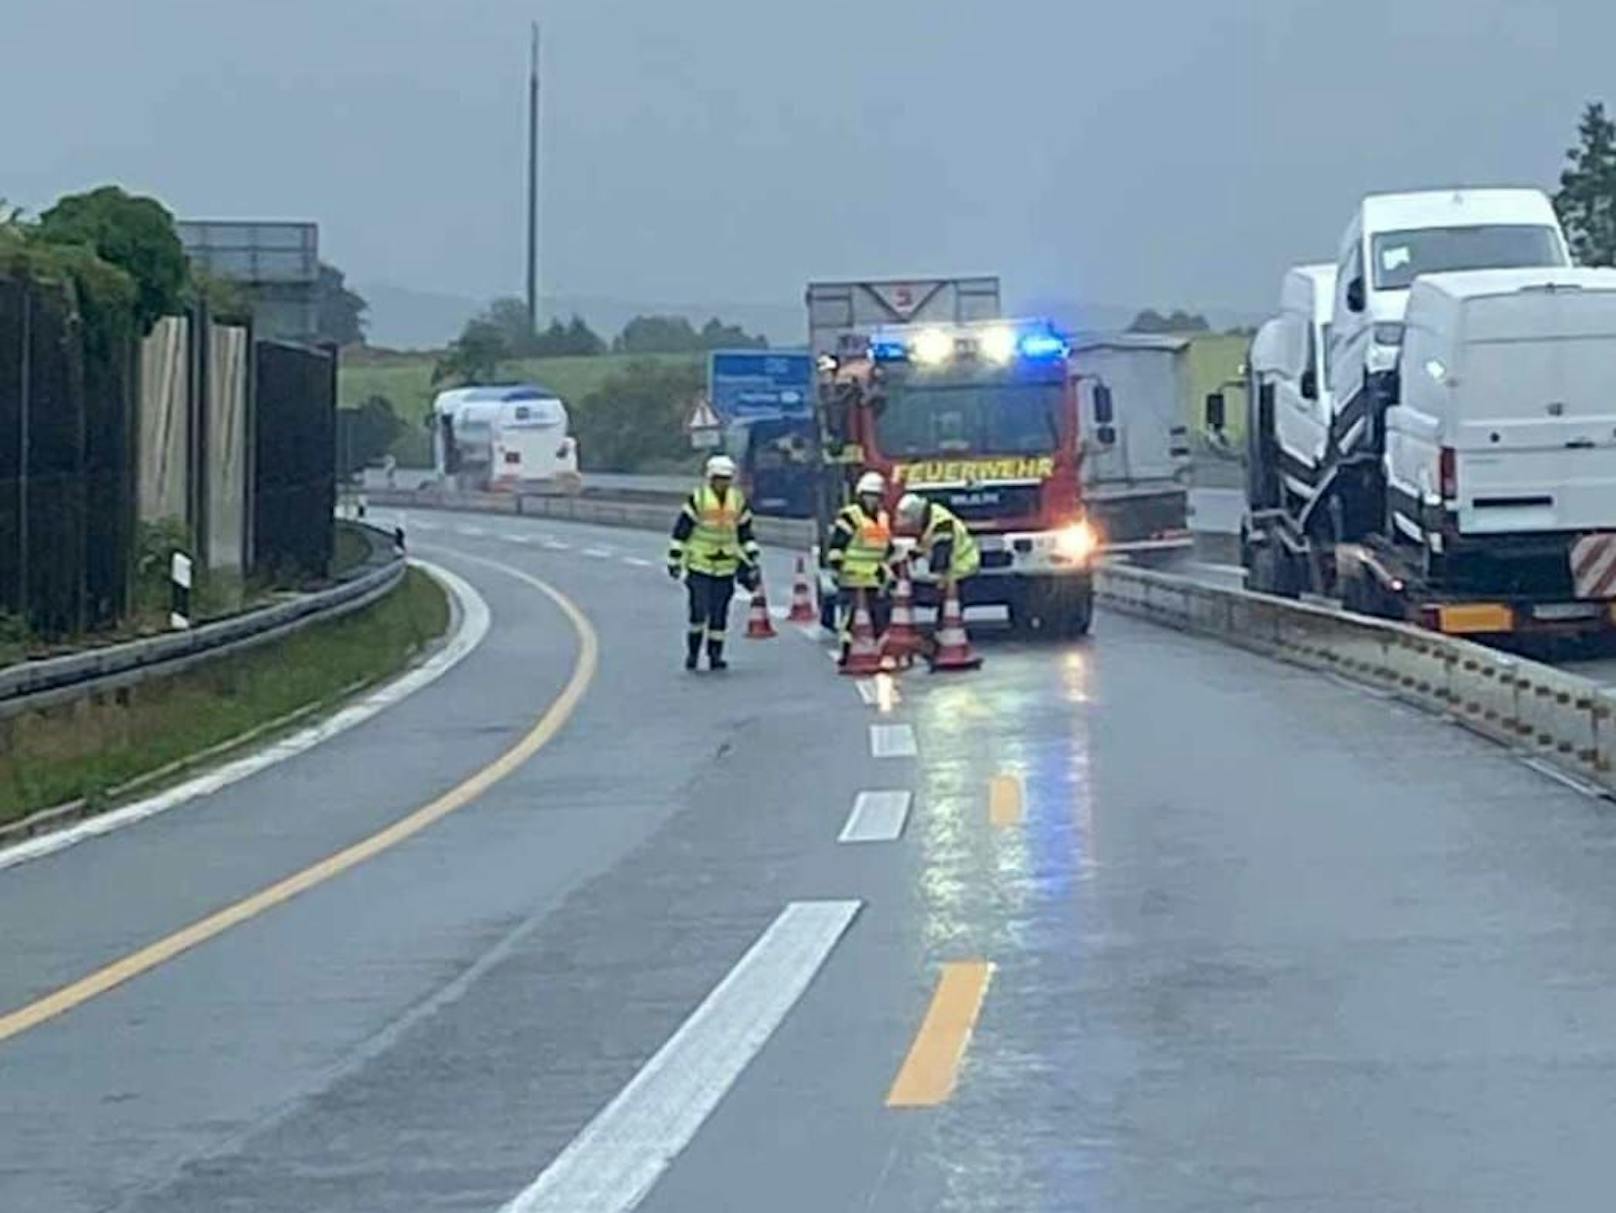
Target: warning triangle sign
(702, 416)
(904, 299)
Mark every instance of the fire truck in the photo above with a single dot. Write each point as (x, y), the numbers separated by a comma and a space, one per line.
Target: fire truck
(982, 416)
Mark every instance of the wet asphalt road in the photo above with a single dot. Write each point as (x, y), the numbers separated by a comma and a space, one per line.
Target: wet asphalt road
(1258, 940)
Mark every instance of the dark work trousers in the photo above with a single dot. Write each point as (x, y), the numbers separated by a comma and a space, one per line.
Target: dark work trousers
(709, 612)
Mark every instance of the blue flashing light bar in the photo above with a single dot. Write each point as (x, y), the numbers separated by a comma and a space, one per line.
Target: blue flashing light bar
(888, 350)
(1041, 345)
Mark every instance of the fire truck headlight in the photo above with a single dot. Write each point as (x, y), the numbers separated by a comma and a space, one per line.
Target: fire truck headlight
(1076, 542)
(998, 345)
(931, 346)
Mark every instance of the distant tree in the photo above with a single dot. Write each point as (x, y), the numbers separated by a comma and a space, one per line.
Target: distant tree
(636, 417)
(675, 335)
(509, 315)
(657, 335)
(366, 433)
(135, 234)
(571, 340)
(341, 317)
(1152, 321)
(475, 356)
(1586, 201)
(716, 335)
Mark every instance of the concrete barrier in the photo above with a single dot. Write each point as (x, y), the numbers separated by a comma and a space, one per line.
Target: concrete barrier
(1539, 710)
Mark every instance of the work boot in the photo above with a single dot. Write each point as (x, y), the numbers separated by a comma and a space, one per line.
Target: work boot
(692, 650)
(715, 656)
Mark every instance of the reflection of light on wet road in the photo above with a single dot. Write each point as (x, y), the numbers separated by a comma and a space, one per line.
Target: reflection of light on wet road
(887, 695)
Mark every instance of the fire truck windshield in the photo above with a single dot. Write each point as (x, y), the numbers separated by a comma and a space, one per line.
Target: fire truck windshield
(947, 417)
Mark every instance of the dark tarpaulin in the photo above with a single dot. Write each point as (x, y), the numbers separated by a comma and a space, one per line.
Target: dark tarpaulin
(295, 460)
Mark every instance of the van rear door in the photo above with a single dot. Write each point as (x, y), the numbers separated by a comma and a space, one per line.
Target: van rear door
(1534, 429)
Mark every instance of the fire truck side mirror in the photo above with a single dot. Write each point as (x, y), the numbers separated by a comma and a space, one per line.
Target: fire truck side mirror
(1106, 435)
(1214, 411)
(1104, 408)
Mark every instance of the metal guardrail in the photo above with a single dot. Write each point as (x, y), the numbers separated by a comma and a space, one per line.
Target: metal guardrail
(40, 684)
(1564, 719)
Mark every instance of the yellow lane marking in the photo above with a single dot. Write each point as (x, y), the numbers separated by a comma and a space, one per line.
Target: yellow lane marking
(929, 1072)
(154, 954)
(1004, 800)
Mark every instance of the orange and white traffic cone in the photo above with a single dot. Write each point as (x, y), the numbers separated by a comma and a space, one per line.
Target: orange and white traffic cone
(864, 653)
(758, 624)
(954, 650)
(802, 603)
(903, 639)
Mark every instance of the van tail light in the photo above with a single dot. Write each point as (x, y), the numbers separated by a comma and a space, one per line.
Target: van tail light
(1448, 474)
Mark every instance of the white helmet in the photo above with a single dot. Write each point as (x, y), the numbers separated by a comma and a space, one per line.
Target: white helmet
(871, 482)
(720, 467)
(911, 509)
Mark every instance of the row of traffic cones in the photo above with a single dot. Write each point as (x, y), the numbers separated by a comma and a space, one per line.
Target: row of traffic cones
(867, 655)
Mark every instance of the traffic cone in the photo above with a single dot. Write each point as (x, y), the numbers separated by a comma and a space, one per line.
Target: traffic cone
(902, 640)
(758, 624)
(954, 650)
(802, 603)
(864, 654)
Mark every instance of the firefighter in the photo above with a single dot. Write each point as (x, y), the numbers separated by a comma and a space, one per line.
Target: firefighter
(860, 555)
(713, 548)
(947, 547)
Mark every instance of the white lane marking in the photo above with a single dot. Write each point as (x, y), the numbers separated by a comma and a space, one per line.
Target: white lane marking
(892, 741)
(868, 691)
(518, 538)
(474, 623)
(614, 1162)
(420, 524)
(473, 531)
(876, 817)
(779, 612)
(600, 553)
(556, 545)
(639, 563)
(1559, 776)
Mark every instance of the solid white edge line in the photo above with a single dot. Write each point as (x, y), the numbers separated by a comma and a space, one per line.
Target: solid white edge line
(474, 623)
(619, 1155)
(892, 741)
(877, 817)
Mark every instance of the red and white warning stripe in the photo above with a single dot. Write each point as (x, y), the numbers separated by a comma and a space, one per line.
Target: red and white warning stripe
(1593, 565)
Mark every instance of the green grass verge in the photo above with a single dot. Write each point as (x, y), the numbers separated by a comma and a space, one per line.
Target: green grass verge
(86, 750)
(406, 380)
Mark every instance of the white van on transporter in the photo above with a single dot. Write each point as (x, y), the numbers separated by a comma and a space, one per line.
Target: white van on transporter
(1393, 239)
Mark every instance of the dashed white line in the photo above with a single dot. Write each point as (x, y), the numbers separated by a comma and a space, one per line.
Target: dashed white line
(473, 531)
(557, 545)
(876, 817)
(617, 1158)
(892, 741)
(868, 691)
(639, 562)
(519, 538)
(600, 553)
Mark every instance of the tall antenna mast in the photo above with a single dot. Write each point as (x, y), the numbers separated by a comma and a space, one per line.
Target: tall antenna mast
(533, 184)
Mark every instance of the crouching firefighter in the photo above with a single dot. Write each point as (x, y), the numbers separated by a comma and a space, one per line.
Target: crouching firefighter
(713, 548)
(944, 543)
(860, 555)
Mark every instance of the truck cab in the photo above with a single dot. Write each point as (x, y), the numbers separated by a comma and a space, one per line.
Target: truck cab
(982, 418)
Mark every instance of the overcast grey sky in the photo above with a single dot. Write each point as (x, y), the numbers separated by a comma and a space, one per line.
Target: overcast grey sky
(1167, 153)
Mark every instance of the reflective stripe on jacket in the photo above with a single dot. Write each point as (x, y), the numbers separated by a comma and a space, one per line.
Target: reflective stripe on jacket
(860, 547)
(713, 534)
(945, 535)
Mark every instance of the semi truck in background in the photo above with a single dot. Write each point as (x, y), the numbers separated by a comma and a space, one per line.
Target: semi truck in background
(1134, 404)
(504, 439)
(1434, 444)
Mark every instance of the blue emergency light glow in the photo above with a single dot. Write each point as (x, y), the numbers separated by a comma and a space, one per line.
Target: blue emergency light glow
(1042, 345)
(888, 351)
